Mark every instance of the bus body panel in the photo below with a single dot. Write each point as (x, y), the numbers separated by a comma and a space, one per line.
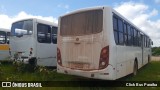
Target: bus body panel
(20, 47)
(82, 51)
(125, 59)
(109, 40)
(45, 53)
(46, 59)
(4, 44)
(4, 51)
(103, 74)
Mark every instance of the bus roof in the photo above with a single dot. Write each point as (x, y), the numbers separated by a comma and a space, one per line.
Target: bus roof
(102, 7)
(39, 20)
(83, 9)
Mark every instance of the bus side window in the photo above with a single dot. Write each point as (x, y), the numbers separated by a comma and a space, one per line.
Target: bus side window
(132, 35)
(140, 40)
(125, 34)
(54, 35)
(135, 37)
(120, 32)
(147, 42)
(2, 37)
(43, 33)
(129, 35)
(115, 28)
(144, 39)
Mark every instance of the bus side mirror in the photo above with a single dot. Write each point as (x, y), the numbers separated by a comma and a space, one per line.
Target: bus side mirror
(152, 42)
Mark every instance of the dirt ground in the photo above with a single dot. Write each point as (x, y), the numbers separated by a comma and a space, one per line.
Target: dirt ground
(155, 58)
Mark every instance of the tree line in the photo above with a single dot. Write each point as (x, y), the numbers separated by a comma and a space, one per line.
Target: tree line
(156, 51)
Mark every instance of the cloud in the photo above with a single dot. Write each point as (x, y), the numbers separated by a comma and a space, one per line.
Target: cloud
(140, 14)
(6, 21)
(63, 6)
(157, 1)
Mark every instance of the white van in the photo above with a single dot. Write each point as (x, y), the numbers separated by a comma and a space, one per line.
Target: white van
(35, 41)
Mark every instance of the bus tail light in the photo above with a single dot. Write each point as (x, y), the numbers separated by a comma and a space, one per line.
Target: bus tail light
(59, 60)
(9, 51)
(104, 58)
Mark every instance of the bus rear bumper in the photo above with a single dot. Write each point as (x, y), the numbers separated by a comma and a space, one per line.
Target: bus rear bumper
(23, 60)
(104, 74)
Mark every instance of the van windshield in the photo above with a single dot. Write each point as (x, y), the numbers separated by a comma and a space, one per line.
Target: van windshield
(82, 23)
(22, 28)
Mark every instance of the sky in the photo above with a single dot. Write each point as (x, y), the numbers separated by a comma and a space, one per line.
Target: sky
(143, 13)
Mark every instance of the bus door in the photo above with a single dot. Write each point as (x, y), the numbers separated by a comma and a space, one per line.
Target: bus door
(45, 48)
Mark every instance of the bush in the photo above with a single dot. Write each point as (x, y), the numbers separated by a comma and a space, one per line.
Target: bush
(45, 73)
(4, 62)
(0, 72)
(21, 67)
(156, 51)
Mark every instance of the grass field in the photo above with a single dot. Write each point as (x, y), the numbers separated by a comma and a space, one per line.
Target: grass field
(10, 72)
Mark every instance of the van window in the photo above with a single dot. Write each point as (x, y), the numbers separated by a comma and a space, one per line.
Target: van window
(54, 35)
(43, 33)
(22, 28)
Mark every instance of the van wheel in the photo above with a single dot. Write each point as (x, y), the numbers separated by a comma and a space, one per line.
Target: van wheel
(135, 68)
(33, 62)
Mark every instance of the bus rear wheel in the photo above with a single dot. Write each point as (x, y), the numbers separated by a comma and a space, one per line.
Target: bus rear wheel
(135, 68)
(33, 62)
(149, 58)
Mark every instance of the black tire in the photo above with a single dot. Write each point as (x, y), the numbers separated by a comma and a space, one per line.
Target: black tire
(135, 68)
(33, 62)
(149, 58)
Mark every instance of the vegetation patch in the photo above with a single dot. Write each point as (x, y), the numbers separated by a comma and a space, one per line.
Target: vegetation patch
(22, 68)
(22, 72)
(6, 62)
(156, 51)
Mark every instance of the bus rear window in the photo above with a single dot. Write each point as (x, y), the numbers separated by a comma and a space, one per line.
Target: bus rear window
(22, 28)
(82, 23)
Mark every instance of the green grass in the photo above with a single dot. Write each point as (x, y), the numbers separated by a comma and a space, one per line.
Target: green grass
(9, 72)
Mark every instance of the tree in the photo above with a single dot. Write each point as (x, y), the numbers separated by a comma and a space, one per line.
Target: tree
(155, 51)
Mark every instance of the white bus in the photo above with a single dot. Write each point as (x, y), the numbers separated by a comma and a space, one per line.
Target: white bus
(34, 41)
(100, 43)
(4, 44)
